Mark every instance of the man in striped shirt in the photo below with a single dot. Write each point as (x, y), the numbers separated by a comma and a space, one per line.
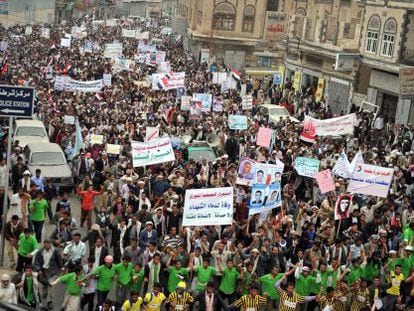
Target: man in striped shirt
(289, 298)
(180, 300)
(251, 301)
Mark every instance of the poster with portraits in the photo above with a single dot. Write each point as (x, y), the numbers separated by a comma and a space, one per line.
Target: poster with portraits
(264, 198)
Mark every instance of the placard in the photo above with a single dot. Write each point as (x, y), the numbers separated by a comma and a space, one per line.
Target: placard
(307, 167)
(151, 133)
(129, 33)
(45, 33)
(185, 103)
(113, 149)
(152, 152)
(342, 166)
(208, 207)
(205, 99)
(264, 198)
(237, 122)
(69, 119)
(168, 81)
(325, 181)
(96, 139)
(263, 137)
(247, 102)
(65, 42)
(371, 180)
(107, 79)
(251, 172)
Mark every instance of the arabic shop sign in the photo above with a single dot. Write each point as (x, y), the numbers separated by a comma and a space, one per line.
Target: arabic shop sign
(152, 152)
(407, 82)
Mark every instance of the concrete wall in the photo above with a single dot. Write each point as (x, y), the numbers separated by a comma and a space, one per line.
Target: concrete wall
(26, 12)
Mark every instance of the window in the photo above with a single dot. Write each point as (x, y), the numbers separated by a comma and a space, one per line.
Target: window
(224, 17)
(248, 18)
(373, 29)
(388, 38)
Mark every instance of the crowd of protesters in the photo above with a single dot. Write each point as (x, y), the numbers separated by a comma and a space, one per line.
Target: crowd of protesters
(129, 238)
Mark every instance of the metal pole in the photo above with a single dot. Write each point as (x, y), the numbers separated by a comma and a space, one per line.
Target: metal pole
(6, 191)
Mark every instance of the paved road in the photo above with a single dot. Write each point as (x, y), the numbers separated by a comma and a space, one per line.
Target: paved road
(59, 289)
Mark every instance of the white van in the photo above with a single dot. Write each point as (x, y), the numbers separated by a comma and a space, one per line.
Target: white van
(29, 131)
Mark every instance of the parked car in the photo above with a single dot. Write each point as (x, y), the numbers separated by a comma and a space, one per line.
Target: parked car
(50, 159)
(276, 112)
(29, 131)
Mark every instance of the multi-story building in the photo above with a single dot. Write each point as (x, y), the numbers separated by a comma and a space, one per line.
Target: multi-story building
(228, 31)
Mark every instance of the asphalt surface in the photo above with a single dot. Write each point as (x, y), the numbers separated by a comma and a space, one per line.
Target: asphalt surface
(58, 289)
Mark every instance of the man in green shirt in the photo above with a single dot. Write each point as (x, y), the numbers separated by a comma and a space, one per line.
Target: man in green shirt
(125, 273)
(74, 282)
(408, 233)
(228, 282)
(137, 279)
(304, 284)
(268, 282)
(205, 274)
(38, 208)
(356, 272)
(105, 275)
(27, 248)
(176, 274)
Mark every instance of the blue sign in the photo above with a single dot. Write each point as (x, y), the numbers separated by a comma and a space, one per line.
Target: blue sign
(16, 101)
(277, 78)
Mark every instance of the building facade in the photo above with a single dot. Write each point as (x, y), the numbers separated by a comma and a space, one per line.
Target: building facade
(24, 12)
(227, 31)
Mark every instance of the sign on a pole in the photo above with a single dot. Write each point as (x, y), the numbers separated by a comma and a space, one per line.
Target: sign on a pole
(16, 101)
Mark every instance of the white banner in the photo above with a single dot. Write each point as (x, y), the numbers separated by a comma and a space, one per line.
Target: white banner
(167, 81)
(371, 180)
(164, 67)
(113, 50)
(247, 102)
(331, 127)
(65, 83)
(151, 133)
(107, 79)
(142, 35)
(129, 33)
(152, 152)
(208, 207)
(342, 166)
(65, 42)
(121, 64)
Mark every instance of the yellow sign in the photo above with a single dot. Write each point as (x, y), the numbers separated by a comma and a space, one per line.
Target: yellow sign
(297, 80)
(319, 90)
(96, 139)
(282, 73)
(113, 149)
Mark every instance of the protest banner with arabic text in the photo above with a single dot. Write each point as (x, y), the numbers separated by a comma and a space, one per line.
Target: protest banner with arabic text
(152, 152)
(371, 180)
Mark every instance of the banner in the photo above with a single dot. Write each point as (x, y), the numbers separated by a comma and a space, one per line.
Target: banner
(342, 206)
(142, 35)
(247, 102)
(219, 77)
(208, 207)
(152, 152)
(67, 84)
(167, 81)
(407, 82)
(69, 120)
(205, 99)
(307, 167)
(330, 127)
(121, 64)
(297, 80)
(319, 90)
(251, 172)
(263, 137)
(151, 133)
(237, 122)
(371, 180)
(264, 199)
(276, 25)
(113, 149)
(325, 181)
(113, 50)
(78, 33)
(164, 67)
(129, 33)
(96, 139)
(195, 110)
(342, 166)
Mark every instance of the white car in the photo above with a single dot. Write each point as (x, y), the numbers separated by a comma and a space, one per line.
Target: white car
(29, 131)
(276, 112)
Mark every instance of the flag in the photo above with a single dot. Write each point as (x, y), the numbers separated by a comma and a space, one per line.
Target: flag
(309, 131)
(99, 96)
(68, 67)
(4, 69)
(358, 160)
(78, 139)
(236, 74)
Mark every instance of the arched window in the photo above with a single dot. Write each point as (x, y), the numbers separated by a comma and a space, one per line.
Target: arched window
(300, 12)
(224, 17)
(388, 37)
(248, 18)
(373, 30)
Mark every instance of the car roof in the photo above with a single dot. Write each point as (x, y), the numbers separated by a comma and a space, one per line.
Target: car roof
(44, 146)
(29, 122)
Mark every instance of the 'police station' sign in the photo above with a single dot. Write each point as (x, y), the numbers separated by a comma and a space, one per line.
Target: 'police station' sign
(16, 101)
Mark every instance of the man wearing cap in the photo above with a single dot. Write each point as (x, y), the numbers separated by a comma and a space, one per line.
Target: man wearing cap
(28, 247)
(304, 283)
(147, 235)
(180, 299)
(12, 233)
(105, 275)
(7, 290)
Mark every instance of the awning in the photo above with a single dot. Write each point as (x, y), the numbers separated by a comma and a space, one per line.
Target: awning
(259, 73)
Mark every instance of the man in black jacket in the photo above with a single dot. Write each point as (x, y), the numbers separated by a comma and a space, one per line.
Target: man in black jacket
(209, 299)
(47, 263)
